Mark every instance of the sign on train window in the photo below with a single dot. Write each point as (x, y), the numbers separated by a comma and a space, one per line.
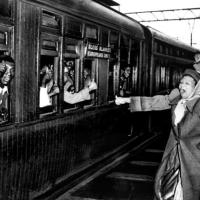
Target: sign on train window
(91, 33)
(97, 51)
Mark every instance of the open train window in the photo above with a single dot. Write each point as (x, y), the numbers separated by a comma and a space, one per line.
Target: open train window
(89, 73)
(70, 68)
(71, 72)
(48, 74)
(48, 84)
(5, 96)
(113, 74)
(125, 80)
(125, 68)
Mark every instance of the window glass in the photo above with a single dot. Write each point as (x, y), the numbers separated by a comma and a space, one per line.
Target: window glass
(134, 64)
(104, 38)
(114, 44)
(73, 28)
(91, 33)
(5, 8)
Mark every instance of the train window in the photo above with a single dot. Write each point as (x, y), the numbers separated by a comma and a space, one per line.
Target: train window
(69, 80)
(73, 28)
(91, 33)
(104, 38)
(71, 70)
(114, 44)
(48, 74)
(50, 20)
(48, 84)
(5, 8)
(124, 49)
(125, 69)
(89, 73)
(162, 76)
(125, 82)
(71, 47)
(7, 73)
(166, 50)
(113, 68)
(171, 51)
(176, 75)
(167, 78)
(5, 36)
(161, 48)
(157, 76)
(134, 63)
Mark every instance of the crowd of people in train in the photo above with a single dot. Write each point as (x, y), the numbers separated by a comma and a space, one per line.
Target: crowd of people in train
(178, 176)
(49, 88)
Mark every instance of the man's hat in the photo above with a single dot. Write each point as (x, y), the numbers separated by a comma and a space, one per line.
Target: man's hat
(197, 58)
(192, 73)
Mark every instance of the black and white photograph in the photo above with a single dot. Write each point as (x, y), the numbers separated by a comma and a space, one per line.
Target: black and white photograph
(99, 100)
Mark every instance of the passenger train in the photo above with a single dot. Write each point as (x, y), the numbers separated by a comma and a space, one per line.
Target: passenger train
(47, 149)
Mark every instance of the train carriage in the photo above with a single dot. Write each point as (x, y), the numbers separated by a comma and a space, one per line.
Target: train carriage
(167, 58)
(47, 146)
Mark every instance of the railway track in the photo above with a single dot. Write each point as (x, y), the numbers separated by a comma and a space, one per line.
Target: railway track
(133, 178)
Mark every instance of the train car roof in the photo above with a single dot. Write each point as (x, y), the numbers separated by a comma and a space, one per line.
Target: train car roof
(170, 40)
(93, 11)
(108, 2)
